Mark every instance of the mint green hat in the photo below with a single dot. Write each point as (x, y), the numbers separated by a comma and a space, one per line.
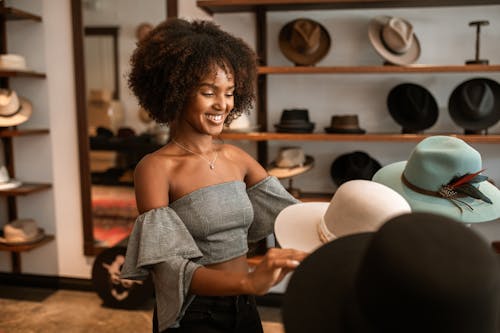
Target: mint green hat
(439, 177)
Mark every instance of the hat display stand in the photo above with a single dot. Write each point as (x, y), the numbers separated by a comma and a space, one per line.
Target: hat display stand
(292, 190)
(477, 60)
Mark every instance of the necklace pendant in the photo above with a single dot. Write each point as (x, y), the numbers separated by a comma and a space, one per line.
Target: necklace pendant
(211, 165)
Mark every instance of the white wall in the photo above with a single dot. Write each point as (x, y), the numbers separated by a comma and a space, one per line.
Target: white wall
(444, 35)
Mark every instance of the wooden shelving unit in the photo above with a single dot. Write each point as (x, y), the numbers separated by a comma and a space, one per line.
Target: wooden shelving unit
(26, 73)
(375, 137)
(8, 134)
(234, 6)
(378, 69)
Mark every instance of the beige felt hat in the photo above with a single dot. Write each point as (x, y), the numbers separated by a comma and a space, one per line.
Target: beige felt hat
(291, 161)
(304, 41)
(357, 206)
(13, 109)
(393, 38)
(21, 231)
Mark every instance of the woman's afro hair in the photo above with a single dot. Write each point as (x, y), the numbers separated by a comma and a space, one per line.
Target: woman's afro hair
(170, 62)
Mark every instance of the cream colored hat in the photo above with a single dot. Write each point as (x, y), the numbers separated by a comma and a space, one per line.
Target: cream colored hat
(357, 206)
(291, 161)
(5, 181)
(12, 62)
(13, 110)
(393, 38)
(21, 231)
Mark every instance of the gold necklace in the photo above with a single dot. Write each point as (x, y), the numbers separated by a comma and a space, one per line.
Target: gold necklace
(211, 163)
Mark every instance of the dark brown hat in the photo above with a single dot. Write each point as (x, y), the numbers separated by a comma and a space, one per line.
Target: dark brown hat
(304, 41)
(413, 107)
(345, 124)
(295, 121)
(475, 104)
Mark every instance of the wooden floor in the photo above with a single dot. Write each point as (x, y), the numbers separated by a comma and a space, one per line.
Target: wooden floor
(35, 310)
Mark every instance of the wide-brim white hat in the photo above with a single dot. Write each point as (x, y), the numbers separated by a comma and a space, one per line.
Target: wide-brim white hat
(357, 206)
(375, 34)
(14, 110)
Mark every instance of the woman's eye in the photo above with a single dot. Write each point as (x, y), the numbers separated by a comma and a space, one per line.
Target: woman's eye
(208, 94)
(229, 94)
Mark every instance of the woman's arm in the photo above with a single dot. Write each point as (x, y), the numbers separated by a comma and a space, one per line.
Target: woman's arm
(270, 271)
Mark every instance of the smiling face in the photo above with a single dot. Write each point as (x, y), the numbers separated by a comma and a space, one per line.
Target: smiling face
(210, 103)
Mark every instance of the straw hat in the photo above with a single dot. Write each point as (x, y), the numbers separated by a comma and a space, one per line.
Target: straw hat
(291, 161)
(13, 109)
(21, 231)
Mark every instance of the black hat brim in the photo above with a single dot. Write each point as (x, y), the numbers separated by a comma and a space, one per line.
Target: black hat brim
(319, 293)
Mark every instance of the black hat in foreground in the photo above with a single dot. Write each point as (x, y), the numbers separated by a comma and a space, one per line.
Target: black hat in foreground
(475, 104)
(413, 107)
(355, 165)
(419, 272)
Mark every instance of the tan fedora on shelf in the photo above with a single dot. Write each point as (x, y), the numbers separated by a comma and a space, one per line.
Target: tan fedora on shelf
(304, 41)
(21, 231)
(394, 39)
(291, 161)
(13, 109)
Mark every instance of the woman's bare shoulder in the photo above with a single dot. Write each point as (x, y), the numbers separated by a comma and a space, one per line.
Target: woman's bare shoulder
(252, 170)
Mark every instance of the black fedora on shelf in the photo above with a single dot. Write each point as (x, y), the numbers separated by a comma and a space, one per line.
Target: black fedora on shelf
(345, 124)
(413, 107)
(295, 121)
(474, 104)
(354, 165)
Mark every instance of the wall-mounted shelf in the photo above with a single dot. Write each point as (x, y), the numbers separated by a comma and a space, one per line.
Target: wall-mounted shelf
(25, 189)
(377, 69)
(26, 247)
(10, 13)
(32, 74)
(375, 137)
(10, 133)
(233, 6)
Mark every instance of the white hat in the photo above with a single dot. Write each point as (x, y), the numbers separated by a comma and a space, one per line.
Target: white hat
(394, 40)
(291, 161)
(21, 231)
(5, 181)
(357, 206)
(12, 62)
(13, 110)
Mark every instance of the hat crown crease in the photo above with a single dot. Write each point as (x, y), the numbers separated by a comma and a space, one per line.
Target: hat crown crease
(305, 37)
(9, 102)
(418, 100)
(397, 35)
(478, 99)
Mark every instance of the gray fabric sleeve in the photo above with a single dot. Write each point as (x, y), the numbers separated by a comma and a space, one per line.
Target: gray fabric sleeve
(161, 243)
(268, 198)
(157, 236)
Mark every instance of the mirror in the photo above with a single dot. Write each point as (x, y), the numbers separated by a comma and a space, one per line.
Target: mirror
(105, 33)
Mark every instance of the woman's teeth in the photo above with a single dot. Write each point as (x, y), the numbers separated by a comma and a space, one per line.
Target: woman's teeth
(215, 117)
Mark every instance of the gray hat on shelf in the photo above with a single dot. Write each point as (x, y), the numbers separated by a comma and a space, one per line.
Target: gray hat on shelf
(475, 104)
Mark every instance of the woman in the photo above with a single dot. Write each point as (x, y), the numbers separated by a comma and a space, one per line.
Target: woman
(201, 201)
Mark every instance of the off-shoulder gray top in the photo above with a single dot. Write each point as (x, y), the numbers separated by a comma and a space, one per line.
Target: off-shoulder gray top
(209, 225)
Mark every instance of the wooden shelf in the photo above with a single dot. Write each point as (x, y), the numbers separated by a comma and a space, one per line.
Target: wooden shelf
(232, 6)
(16, 14)
(418, 68)
(32, 74)
(9, 133)
(375, 137)
(26, 247)
(25, 189)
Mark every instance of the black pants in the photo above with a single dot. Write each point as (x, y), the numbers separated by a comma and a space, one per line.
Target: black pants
(215, 314)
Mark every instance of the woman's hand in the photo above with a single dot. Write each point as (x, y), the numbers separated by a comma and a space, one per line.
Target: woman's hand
(272, 269)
